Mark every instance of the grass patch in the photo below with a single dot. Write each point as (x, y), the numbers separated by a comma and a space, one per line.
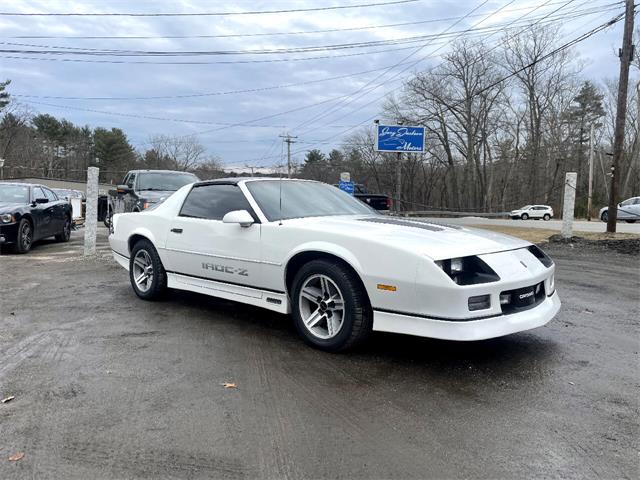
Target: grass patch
(541, 235)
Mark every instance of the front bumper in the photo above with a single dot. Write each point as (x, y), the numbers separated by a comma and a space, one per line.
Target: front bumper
(9, 233)
(468, 330)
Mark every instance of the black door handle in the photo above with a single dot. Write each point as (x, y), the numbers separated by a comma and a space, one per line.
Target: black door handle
(176, 230)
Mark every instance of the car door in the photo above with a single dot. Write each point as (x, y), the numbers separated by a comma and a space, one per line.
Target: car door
(58, 211)
(199, 244)
(130, 197)
(43, 214)
(625, 209)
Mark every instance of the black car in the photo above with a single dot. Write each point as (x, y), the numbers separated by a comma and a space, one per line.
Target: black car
(31, 212)
(141, 189)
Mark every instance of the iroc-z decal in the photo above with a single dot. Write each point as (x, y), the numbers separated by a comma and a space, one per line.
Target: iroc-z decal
(225, 269)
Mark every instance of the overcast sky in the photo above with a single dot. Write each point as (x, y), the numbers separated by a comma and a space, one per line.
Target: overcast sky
(46, 75)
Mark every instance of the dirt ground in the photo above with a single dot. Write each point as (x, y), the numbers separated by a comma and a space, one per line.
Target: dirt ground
(109, 386)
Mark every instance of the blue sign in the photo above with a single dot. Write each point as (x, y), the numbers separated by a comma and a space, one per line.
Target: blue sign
(348, 187)
(398, 138)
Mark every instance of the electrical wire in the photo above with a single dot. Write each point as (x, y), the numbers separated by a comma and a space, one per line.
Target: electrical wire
(205, 14)
(258, 34)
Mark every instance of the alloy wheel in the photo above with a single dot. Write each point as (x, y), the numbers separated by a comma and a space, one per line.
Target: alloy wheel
(26, 236)
(143, 270)
(321, 306)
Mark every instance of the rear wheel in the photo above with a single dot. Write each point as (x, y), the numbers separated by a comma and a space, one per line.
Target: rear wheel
(25, 236)
(546, 217)
(65, 235)
(525, 216)
(147, 275)
(604, 217)
(331, 310)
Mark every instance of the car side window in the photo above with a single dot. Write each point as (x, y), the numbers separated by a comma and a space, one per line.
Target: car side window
(38, 193)
(50, 195)
(214, 201)
(132, 180)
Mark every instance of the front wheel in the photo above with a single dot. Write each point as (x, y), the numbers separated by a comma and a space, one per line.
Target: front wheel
(525, 216)
(147, 275)
(546, 217)
(331, 310)
(65, 235)
(25, 236)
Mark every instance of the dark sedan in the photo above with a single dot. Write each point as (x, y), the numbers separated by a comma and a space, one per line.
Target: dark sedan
(29, 213)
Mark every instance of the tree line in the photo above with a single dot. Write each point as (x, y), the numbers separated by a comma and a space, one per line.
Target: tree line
(43, 146)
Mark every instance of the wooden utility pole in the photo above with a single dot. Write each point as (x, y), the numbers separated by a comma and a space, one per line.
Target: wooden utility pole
(590, 174)
(626, 55)
(288, 139)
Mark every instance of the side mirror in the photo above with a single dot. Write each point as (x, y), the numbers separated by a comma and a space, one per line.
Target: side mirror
(241, 217)
(42, 200)
(123, 189)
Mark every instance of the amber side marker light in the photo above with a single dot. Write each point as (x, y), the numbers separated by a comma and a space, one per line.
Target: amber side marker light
(388, 288)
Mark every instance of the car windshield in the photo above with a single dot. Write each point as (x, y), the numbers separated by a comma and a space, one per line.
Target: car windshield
(166, 181)
(14, 193)
(304, 199)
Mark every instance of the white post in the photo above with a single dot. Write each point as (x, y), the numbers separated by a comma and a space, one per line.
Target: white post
(91, 220)
(569, 204)
(590, 174)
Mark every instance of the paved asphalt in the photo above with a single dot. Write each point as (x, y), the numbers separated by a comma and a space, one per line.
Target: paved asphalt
(109, 386)
(578, 226)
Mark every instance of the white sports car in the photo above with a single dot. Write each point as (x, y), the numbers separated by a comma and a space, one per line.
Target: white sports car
(338, 267)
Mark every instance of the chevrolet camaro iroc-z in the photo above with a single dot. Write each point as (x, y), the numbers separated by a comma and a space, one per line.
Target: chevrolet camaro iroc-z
(338, 267)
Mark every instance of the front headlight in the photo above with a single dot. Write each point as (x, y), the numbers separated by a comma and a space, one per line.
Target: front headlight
(7, 218)
(468, 270)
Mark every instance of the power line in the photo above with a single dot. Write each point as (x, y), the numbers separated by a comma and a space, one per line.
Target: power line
(220, 62)
(231, 92)
(204, 14)
(257, 34)
(419, 60)
(71, 50)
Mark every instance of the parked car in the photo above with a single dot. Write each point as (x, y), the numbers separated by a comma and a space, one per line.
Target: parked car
(141, 189)
(341, 270)
(532, 211)
(629, 211)
(29, 213)
(377, 201)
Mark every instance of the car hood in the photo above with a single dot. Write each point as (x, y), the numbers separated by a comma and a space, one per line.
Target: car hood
(6, 207)
(436, 240)
(155, 195)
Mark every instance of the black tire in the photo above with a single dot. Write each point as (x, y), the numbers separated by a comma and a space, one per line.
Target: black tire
(546, 217)
(357, 316)
(157, 276)
(525, 216)
(605, 216)
(107, 220)
(630, 221)
(65, 236)
(25, 236)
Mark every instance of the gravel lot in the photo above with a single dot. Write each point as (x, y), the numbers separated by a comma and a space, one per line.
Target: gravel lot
(109, 386)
